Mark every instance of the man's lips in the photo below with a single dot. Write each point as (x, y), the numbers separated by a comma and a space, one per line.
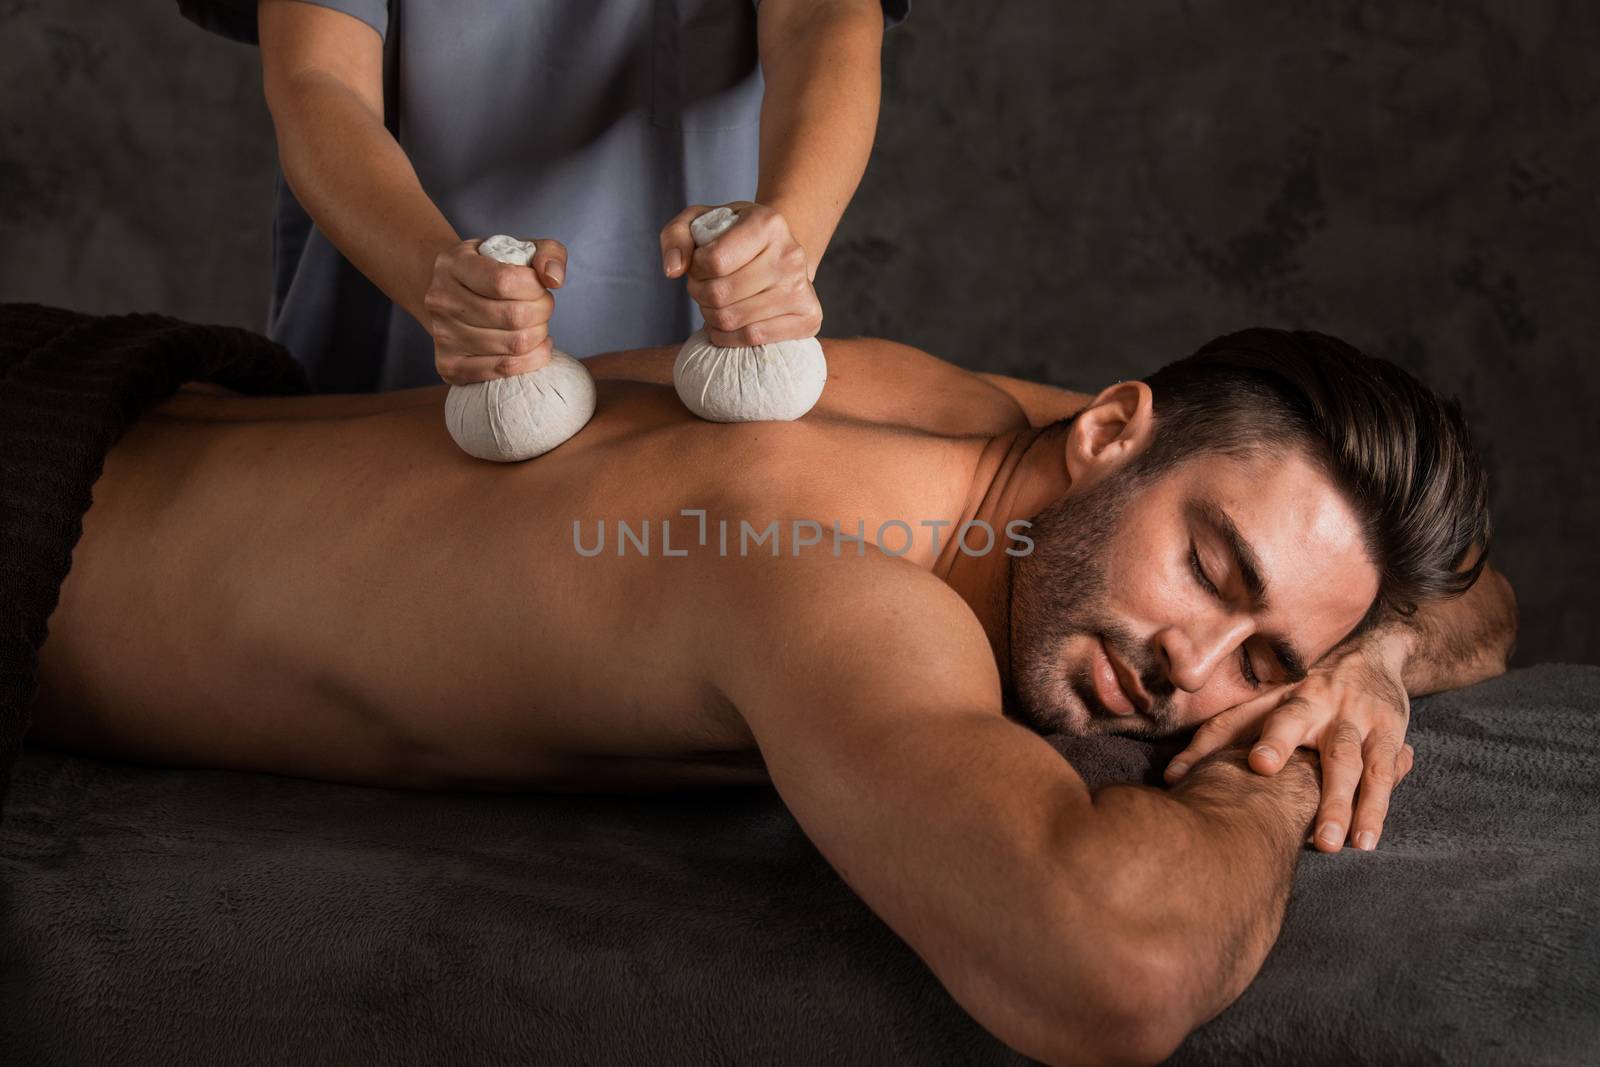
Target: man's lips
(1108, 685)
(1142, 701)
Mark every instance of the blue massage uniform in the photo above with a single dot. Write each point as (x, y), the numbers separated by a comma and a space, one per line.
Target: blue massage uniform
(589, 121)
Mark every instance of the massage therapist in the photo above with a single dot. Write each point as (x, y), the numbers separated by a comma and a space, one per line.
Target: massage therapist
(409, 129)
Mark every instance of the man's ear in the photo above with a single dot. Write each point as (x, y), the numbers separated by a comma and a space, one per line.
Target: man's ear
(1116, 427)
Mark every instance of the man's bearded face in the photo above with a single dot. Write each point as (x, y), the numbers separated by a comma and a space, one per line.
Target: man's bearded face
(1153, 600)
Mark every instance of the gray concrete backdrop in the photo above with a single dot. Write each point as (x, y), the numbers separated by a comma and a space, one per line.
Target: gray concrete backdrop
(1074, 192)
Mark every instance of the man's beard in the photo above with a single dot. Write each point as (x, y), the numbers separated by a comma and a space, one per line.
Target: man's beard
(1059, 591)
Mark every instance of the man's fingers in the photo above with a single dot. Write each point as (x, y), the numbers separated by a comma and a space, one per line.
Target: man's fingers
(551, 262)
(493, 280)
(768, 331)
(1408, 759)
(1286, 729)
(677, 243)
(1341, 773)
(1217, 732)
(1383, 759)
(1224, 728)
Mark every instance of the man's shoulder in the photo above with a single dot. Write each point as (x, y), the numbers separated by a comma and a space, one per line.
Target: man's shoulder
(874, 380)
(846, 629)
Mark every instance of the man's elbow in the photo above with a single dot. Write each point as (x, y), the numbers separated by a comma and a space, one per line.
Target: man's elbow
(1132, 1015)
(1133, 1030)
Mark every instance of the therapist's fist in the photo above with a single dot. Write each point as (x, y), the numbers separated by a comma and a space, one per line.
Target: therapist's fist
(753, 283)
(491, 319)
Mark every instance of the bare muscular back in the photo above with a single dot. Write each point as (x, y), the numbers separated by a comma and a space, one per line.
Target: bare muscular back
(325, 586)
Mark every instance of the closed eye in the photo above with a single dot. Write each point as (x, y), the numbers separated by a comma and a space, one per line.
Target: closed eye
(1246, 669)
(1200, 572)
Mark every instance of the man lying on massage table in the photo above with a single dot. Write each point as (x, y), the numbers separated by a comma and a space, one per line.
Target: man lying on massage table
(327, 587)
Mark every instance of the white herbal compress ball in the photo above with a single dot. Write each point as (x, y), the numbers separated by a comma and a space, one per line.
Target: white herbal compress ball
(767, 383)
(517, 418)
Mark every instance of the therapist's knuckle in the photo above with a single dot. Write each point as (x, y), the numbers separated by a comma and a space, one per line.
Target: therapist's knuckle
(503, 284)
(794, 258)
(718, 292)
(757, 334)
(524, 314)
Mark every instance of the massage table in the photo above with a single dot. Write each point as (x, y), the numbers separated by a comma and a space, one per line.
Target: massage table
(154, 915)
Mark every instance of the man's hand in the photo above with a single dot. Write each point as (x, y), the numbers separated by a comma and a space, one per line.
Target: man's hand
(753, 284)
(491, 319)
(1353, 709)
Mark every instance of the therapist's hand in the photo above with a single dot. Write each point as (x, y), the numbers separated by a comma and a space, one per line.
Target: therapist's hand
(753, 284)
(491, 319)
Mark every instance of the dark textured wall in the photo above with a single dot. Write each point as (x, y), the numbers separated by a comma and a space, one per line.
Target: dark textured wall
(1069, 191)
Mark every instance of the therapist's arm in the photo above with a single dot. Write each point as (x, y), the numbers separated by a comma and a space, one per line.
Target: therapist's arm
(820, 63)
(322, 72)
(820, 60)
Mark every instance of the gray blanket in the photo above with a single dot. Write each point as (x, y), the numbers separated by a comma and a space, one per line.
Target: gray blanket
(159, 916)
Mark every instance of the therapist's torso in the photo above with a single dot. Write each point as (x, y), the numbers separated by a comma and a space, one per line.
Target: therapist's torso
(589, 121)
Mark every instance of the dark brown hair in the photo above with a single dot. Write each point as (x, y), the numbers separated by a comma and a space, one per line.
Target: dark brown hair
(1401, 455)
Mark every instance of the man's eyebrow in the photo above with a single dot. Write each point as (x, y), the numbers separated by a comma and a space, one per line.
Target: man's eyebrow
(1249, 564)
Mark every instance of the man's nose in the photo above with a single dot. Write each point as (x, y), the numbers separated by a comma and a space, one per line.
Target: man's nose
(1193, 651)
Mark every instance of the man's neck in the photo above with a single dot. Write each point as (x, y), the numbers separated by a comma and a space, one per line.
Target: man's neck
(1016, 476)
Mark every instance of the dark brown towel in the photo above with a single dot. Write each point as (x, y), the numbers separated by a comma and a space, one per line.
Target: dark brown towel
(70, 385)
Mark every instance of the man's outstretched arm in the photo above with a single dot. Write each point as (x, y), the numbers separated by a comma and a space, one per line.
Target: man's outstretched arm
(1076, 928)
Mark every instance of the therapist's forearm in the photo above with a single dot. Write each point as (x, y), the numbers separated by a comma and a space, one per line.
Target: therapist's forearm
(355, 181)
(820, 60)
